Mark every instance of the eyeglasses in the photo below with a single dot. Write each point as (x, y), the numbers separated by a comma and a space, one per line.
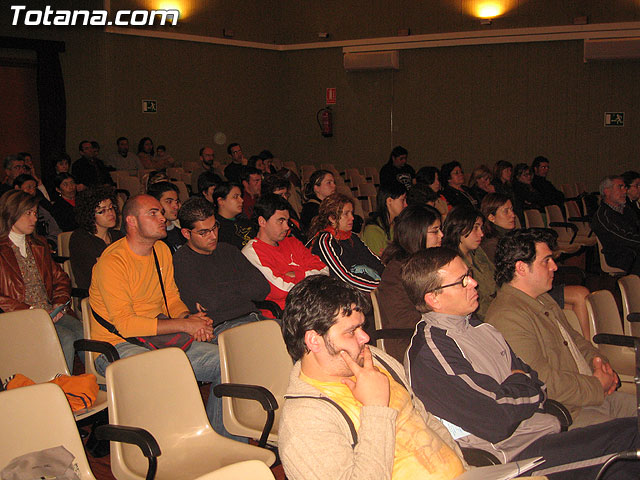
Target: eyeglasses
(206, 231)
(102, 211)
(464, 281)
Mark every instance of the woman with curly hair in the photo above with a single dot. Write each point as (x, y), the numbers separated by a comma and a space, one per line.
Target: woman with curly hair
(96, 214)
(344, 253)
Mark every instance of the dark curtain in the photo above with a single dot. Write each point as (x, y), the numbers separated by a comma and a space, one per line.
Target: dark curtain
(53, 109)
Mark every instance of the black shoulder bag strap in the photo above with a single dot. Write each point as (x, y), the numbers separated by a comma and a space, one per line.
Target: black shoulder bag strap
(155, 258)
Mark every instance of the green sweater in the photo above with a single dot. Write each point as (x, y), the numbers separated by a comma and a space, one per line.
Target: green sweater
(483, 272)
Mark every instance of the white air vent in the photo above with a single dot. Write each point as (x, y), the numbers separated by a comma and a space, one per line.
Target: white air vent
(384, 60)
(612, 49)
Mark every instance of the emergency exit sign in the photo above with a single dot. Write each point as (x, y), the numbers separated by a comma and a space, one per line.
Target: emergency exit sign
(331, 96)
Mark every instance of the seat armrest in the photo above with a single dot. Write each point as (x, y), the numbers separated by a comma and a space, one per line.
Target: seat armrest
(134, 436)
(252, 392)
(579, 219)
(59, 259)
(633, 317)
(559, 411)
(105, 348)
(619, 340)
(392, 333)
(273, 307)
(478, 458)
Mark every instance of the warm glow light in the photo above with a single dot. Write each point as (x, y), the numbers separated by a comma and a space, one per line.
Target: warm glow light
(172, 5)
(489, 9)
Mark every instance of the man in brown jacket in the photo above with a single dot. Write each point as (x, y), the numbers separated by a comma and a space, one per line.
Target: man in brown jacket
(575, 372)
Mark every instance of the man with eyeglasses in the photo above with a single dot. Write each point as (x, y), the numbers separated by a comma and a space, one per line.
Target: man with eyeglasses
(617, 226)
(13, 166)
(466, 374)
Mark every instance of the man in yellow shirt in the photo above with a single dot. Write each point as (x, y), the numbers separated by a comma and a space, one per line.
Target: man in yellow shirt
(349, 411)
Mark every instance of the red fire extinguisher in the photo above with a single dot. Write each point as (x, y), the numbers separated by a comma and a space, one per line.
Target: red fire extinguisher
(324, 118)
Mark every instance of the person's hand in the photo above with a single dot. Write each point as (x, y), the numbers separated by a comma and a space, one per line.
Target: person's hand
(371, 386)
(605, 374)
(200, 326)
(606, 366)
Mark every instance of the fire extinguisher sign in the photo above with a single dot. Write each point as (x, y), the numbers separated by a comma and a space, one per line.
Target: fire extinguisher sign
(331, 96)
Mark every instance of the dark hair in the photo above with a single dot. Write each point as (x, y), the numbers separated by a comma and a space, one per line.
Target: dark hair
(314, 304)
(156, 190)
(223, 190)
(120, 139)
(253, 160)
(208, 179)
(61, 177)
(95, 144)
(519, 169)
(82, 142)
(519, 246)
(459, 223)
(410, 232)
(24, 155)
(489, 206)
(427, 175)
(268, 204)
(265, 155)
(62, 157)
(87, 202)
(397, 152)
(247, 171)
(230, 146)
(141, 145)
(421, 194)
(271, 183)
(499, 167)
(381, 215)
(537, 161)
(445, 172)
(21, 179)
(629, 176)
(196, 209)
(332, 206)
(420, 274)
(315, 180)
(161, 147)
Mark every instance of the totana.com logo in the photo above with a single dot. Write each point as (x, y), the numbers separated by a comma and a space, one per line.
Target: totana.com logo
(48, 16)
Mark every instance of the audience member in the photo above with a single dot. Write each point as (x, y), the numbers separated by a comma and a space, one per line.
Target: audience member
(163, 159)
(233, 171)
(251, 179)
(168, 196)
(284, 261)
(207, 157)
(29, 278)
(30, 169)
(500, 220)
(349, 411)
(124, 159)
(332, 241)
(550, 195)
(146, 153)
(617, 226)
(88, 170)
(474, 366)
(502, 178)
(397, 169)
(455, 191)
(525, 197)
(378, 231)
(63, 209)
(430, 176)
(416, 228)
(480, 182)
(321, 185)
(281, 186)
(207, 183)
(61, 165)
(234, 228)
(126, 292)
(278, 168)
(575, 372)
(13, 166)
(97, 214)
(632, 182)
(257, 162)
(46, 225)
(463, 233)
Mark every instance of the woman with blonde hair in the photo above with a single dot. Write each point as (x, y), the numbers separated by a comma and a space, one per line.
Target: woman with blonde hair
(343, 252)
(29, 278)
(480, 182)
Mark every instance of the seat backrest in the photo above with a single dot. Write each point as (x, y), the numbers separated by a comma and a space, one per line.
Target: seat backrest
(29, 345)
(572, 318)
(554, 214)
(251, 469)
(182, 188)
(38, 417)
(63, 244)
(630, 290)
(157, 391)
(377, 318)
(175, 173)
(533, 219)
(368, 189)
(604, 266)
(131, 184)
(253, 354)
(603, 313)
(89, 357)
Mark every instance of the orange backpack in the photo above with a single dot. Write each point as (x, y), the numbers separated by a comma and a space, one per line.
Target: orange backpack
(81, 390)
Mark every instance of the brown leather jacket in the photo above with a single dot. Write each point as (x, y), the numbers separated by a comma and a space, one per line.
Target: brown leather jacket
(56, 282)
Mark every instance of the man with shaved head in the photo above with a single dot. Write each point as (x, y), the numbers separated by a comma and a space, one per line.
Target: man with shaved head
(127, 293)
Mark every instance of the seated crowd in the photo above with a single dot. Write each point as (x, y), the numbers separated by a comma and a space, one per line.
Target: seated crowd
(444, 258)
